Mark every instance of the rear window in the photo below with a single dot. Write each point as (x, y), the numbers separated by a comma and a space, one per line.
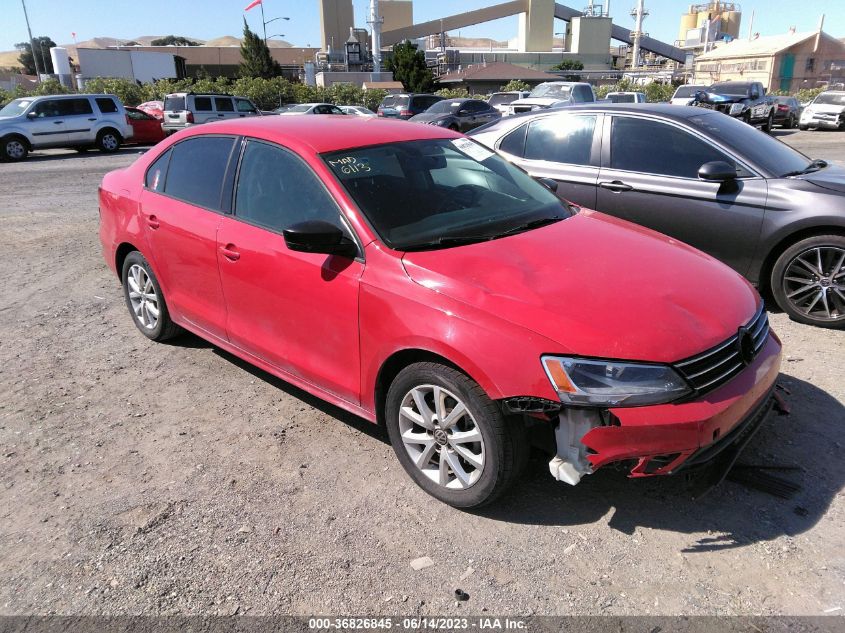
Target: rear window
(106, 105)
(388, 101)
(622, 98)
(499, 99)
(400, 102)
(174, 103)
(687, 91)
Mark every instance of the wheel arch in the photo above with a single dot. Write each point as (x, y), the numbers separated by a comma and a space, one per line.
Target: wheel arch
(120, 255)
(764, 280)
(109, 127)
(18, 135)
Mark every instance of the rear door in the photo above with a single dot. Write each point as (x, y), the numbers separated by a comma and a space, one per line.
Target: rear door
(564, 147)
(660, 188)
(79, 120)
(477, 113)
(225, 108)
(203, 109)
(182, 206)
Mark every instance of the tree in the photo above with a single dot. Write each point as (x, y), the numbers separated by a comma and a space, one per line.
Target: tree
(257, 61)
(569, 64)
(42, 49)
(173, 40)
(516, 85)
(408, 66)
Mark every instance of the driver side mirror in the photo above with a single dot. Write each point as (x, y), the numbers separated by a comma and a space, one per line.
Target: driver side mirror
(717, 171)
(318, 236)
(31, 115)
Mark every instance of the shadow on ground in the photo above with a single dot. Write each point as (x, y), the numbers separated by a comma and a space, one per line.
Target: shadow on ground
(71, 154)
(810, 438)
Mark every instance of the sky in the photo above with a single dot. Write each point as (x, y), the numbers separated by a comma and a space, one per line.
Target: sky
(214, 18)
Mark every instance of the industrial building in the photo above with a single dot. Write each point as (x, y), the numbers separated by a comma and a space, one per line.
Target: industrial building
(786, 62)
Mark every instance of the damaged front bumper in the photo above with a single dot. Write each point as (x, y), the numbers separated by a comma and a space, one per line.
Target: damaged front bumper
(667, 438)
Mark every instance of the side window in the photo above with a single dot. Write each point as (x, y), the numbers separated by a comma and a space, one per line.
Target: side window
(157, 173)
(106, 105)
(197, 168)
(276, 189)
(514, 142)
(224, 104)
(202, 104)
(632, 143)
(245, 105)
(561, 139)
(75, 107)
(475, 107)
(47, 108)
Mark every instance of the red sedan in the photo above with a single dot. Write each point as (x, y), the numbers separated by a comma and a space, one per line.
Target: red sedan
(411, 276)
(146, 128)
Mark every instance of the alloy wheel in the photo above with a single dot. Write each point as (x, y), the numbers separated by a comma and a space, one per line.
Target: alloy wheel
(441, 437)
(109, 142)
(814, 283)
(143, 297)
(15, 150)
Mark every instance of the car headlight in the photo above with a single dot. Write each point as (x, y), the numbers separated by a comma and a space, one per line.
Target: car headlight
(606, 383)
(736, 108)
(440, 122)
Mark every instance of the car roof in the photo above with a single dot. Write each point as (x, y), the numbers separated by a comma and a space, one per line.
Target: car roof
(328, 135)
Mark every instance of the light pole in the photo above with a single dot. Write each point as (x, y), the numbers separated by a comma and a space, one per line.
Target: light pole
(266, 22)
(31, 43)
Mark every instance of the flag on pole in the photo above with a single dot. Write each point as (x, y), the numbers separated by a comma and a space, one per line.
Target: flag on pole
(252, 5)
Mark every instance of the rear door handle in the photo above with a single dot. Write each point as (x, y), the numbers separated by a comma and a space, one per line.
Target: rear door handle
(230, 252)
(93, 118)
(152, 222)
(57, 122)
(617, 186)
(221, 115)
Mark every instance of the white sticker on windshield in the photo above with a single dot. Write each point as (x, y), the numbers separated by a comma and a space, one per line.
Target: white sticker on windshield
(472, 149)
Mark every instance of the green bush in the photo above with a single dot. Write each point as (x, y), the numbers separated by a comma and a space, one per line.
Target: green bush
(515, 85)
(127, 91)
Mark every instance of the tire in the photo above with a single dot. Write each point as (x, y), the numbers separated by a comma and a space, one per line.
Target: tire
(747, 118)
(769, 124)
(13, 148)
(804, 294)
(108, 141)
(81, 148)
(163, 328)
(501, 452)
(790, 122)
(803, 128)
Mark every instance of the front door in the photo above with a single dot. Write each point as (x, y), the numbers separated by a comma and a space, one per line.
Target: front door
(46, 123)
(181, 211)
(296, 311)
(649, 176)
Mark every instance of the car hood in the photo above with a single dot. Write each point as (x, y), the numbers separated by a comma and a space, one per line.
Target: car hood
(715, 97)
(825, 108)
(597, 286)
(428, 118)
(831, 177)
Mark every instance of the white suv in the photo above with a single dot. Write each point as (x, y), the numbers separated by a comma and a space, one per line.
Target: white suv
(78, 121)
(183, 109)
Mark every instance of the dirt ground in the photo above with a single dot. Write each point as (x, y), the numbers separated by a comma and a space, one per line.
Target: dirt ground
(142, 478)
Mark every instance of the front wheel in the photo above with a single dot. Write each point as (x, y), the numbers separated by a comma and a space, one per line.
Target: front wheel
(108, 141)
(145, 299)
(808, 281)
(450, 437)
(13, 148)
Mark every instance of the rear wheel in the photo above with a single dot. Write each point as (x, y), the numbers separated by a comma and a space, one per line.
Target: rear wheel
(452, 440)
(108, 141)
(145, 300)
(802, 127)
(808, 281)
(770, 123)
(13, 148)
(790, 122)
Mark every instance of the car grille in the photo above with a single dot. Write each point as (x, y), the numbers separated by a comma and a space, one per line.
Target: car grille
(713, 368)
(719, 107)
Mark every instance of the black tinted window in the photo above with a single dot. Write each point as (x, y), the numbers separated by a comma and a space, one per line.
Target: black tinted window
(202, 104)
(106, 105)
(633, 144)
(157, 173)
(223, 104)
(174, 104)
(514, 143)
(277, 190)
(196, 171)
(48, 108)
(476, 106)
(561, 139)
(71, 107)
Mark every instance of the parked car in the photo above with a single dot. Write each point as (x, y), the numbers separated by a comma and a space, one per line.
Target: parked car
(626, 97)
(685, 95)
(358, 111)
(553, 94)
(76, 121)
(312, 108)
(183, 109)
(458, 114)
(153, 108)
(766, 210)
(826, 110)
(500, 100)
(745, 100)
(411, 276)
(404, 106)
(787, 111)
(146, 129)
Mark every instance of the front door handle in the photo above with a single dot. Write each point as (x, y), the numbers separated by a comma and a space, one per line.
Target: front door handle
(616, 186)
(230, 252)
(221, 115)
(152, 222)
(57, 122)
(93, 118)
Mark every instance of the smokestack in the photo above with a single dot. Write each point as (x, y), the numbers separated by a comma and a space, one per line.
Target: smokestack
(375, 22)
(638, 28)
(751, 25)
(819, 34)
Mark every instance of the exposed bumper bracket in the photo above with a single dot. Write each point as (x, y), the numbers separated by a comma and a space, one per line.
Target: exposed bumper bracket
(571, 463)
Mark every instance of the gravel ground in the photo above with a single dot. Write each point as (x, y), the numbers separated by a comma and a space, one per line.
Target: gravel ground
(141, 478)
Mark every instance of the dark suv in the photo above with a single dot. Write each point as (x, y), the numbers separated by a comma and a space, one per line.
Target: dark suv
(404, 105)
(744, 100)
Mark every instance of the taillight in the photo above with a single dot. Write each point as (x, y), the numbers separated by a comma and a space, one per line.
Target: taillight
(190, 117)
(128, 120)
(783, 108)
(381, 112)
(405, 113)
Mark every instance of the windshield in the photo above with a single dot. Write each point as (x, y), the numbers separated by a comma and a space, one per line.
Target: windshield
(735, 90)
(831, 98)
(622, 98)
(301, 108)
(551, 91)
(686, 91)
(502, 97)
(445, 107)
(774, 157)
(419, 193)
(16, 107)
